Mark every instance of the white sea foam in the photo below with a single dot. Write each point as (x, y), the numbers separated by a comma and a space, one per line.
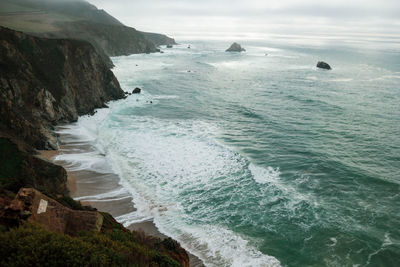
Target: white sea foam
(159, 161)
(84, 161)
(262, 175)
(120, 193)
(217, 246)
(163, 164)
(341, 80)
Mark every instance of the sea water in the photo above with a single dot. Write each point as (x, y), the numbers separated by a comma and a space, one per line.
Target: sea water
(259, 158)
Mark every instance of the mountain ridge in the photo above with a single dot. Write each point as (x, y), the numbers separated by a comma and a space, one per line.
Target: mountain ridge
(78, 19)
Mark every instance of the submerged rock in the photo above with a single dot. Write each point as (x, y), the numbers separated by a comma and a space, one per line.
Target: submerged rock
(323, 65)
(137, 90)
(169, 46)
(235, 47)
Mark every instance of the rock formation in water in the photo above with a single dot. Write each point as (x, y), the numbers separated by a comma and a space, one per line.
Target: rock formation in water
(47, 81)
(323, 65)
(235, 47)
(137, 90)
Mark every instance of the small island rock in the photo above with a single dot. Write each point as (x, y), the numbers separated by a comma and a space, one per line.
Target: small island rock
(235, 47)
(136, 90)
(323, 65)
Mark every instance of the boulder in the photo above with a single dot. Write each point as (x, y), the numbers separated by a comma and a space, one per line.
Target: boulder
(323, 65)
(137, 90)
(235, 47)
(29, 204)
(169, 46)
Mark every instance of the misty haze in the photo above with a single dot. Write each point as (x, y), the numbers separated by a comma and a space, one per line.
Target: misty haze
(199, 133)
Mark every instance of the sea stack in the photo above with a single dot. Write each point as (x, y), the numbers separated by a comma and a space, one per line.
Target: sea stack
(323, 65)
(235, 47)
(137, 90)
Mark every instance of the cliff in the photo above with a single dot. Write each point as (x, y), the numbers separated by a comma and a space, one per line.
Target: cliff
(158, 39)
(50, 234)
(78, 19)
(44, 82)
(47, 81)
(114, 40)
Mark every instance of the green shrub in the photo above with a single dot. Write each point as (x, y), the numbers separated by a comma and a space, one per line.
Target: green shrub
(31, 245)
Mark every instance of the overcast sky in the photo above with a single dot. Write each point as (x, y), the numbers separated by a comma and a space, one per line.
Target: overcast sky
(252, 18)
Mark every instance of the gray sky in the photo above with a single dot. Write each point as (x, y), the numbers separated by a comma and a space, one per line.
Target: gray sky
(255, 18)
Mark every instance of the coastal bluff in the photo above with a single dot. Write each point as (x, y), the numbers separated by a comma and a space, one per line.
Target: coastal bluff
(44, 82)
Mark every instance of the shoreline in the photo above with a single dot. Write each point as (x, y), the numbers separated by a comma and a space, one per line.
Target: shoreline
(86, 185)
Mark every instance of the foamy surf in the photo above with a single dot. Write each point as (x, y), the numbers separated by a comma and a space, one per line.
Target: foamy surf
(158, 161)
(255, 154)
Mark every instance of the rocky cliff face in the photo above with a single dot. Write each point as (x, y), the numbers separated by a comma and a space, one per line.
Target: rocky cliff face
(114, 40)
(159, 39)
(79, 20)
(47, 81)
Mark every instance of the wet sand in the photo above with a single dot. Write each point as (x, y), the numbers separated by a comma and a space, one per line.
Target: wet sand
(88, 186)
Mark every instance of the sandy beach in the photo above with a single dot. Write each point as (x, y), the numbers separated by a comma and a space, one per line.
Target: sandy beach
(86, 186)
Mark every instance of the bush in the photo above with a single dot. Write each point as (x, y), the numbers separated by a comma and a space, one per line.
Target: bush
(31, 245)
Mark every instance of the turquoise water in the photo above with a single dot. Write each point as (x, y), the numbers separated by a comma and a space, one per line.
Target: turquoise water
(255, 160)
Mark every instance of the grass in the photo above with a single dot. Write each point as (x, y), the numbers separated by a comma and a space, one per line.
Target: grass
(31, 245)
(32, 23)
(6, 6)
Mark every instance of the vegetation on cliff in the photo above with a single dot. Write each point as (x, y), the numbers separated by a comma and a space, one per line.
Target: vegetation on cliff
(27, 240)
(81, 20)
(31, 244)
(44, 82)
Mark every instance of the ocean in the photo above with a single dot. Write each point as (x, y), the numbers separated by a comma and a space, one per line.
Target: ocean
(259, 158)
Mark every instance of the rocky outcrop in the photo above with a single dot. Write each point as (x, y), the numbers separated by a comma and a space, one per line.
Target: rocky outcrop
(48, 81)
(29, 204)
(113, 40)
(137, 90)
(159, 39)
(323, 65)
(44, 225)
(235, 47)
(20, 168)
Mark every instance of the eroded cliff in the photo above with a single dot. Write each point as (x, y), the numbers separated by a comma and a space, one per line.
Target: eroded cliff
(48, 81)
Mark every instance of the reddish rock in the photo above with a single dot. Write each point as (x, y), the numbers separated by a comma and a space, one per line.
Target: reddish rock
(52, 215)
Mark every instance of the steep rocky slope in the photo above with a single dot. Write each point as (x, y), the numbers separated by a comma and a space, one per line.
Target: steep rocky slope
(158, 39)
(78, 19)
(44, 82)
(48, 81)
(114, 40)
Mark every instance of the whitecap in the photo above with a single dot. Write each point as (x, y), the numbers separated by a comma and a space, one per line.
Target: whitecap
(264, 175)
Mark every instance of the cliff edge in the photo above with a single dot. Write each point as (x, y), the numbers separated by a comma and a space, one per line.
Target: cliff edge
(44, 82)
(48, 81)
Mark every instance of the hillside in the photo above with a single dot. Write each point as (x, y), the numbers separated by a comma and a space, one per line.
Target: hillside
(47, 81)
(78, 19)
(44, 82)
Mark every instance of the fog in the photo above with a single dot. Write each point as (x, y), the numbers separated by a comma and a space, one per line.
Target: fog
(258, 18)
